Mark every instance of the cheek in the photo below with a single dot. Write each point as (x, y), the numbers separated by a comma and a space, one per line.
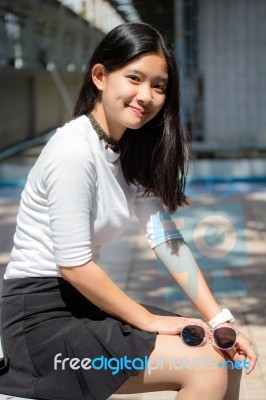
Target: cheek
(127, 92)
(159, 102)
(121, 94)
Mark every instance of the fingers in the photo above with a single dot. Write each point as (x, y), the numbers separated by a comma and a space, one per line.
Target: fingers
(197, 321)
(244, 349)
(248, 352)
(167, 325)
(233, 354)
(253, 360)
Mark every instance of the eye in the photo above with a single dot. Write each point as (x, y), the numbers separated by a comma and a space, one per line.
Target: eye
(133, 78)
(161, 88)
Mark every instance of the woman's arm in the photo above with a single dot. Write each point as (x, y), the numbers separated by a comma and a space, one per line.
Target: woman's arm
(180, 262)
(178, 259)
(90, 280)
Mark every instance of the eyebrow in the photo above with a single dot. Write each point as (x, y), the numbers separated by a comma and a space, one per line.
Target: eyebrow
(136, 71)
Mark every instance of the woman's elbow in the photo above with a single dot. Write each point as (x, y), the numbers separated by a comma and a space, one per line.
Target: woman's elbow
(73, 273)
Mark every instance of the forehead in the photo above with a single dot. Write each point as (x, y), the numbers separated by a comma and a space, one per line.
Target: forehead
(153, 65)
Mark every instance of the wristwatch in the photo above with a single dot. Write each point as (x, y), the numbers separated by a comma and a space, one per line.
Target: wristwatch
(223, 316)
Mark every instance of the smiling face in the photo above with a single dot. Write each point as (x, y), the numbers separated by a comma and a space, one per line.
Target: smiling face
(131, 96)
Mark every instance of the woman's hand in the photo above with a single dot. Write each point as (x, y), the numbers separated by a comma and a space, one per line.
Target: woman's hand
(242, 351)
(165, 325)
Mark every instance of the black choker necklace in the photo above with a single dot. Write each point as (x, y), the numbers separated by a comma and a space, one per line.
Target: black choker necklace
(109, 142)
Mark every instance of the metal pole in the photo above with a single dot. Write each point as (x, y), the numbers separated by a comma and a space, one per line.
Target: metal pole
(179, 46)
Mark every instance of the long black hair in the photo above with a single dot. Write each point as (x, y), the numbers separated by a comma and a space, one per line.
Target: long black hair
(154, 155)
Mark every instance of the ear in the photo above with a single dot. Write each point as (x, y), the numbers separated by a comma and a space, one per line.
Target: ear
(98, 75)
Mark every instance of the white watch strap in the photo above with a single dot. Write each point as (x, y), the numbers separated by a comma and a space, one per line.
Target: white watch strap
(224, 315)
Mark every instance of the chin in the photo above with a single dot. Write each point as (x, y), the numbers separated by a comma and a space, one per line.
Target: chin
(135, 128)
(136, 125)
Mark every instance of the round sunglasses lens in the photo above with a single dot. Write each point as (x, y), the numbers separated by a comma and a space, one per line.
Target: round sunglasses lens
(225, 338)
(193, 335)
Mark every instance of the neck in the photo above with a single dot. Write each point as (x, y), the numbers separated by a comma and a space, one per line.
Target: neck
(109, 126)
(103, 136)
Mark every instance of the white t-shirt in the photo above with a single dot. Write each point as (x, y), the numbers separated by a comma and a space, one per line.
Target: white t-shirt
(75, 200)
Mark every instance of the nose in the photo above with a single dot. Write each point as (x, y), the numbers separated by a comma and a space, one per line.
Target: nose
(144, 94)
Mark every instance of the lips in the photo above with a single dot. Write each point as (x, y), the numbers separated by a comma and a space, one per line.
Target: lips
(137, 110)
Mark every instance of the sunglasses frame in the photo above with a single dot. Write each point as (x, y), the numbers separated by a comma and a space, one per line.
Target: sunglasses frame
(212, 335)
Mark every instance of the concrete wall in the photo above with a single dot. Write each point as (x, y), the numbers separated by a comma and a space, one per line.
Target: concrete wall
(50, 107)
(15, 108)
(44, 47)
(32, 105)
(232, 61)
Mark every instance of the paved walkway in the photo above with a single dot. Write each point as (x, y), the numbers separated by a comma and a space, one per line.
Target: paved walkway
(237, 276)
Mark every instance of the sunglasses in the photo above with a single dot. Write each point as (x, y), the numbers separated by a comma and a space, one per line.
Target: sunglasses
(223, 337)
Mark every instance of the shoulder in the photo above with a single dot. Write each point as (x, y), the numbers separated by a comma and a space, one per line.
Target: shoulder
(71, 141)
(69, 150)
(73, 133)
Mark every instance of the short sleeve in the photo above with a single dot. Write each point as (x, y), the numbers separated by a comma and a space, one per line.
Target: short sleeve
(156, 222)
(69, 179)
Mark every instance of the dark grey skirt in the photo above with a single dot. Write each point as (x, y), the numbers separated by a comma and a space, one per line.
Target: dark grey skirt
(58, 345)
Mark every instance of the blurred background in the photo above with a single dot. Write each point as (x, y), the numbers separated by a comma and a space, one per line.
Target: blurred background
(221, 49)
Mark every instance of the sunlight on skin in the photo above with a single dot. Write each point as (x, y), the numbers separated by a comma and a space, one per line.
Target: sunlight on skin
(177, 258)
(182, 277)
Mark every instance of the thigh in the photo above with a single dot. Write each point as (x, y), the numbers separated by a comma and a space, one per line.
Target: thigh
(173, 365)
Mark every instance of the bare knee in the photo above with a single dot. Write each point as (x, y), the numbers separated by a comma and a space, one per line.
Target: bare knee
(208, 378)
(212, 385)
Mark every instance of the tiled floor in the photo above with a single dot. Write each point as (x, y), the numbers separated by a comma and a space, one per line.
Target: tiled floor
(241, 287)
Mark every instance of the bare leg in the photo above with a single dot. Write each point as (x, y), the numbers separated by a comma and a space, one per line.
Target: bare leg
(233, 387)
(197, 383)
